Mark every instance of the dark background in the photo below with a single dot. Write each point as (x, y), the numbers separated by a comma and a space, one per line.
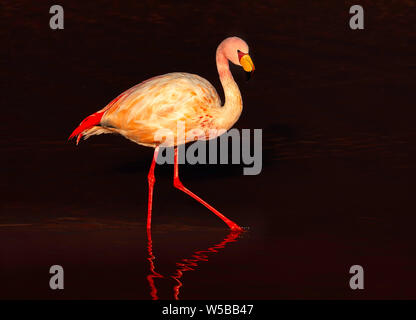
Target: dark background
(337, 188)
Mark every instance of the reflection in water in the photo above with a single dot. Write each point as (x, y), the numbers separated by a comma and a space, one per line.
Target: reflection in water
(153, 274)
(188, 264)
(201, 255)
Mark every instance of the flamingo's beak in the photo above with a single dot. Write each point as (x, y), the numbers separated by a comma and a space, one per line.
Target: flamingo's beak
(246, 63)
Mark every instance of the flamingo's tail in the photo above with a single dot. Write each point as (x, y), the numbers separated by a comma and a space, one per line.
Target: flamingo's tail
(88, 123)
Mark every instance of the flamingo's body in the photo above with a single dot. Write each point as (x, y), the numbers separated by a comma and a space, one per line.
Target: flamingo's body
(163, 101)
(159, 103)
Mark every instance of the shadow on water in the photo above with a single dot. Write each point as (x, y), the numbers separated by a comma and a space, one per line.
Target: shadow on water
(185, 264)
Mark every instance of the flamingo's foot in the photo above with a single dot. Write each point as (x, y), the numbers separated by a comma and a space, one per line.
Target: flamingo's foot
(235, 227)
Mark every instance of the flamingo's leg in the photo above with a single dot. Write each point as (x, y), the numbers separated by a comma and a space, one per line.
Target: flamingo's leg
(151, 179)
(178, 184)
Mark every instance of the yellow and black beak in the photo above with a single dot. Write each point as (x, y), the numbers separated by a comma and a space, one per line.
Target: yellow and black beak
(246, 63)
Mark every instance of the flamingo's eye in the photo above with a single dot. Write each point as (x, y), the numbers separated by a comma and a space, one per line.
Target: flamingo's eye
(240, 54)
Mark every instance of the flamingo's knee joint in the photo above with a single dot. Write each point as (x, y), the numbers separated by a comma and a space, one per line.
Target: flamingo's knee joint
(151, 179)
(177, 183)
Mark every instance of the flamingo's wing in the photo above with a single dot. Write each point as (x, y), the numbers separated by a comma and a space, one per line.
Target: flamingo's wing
(158, 104)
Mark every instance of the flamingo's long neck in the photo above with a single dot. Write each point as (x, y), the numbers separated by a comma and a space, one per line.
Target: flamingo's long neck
(233, 104)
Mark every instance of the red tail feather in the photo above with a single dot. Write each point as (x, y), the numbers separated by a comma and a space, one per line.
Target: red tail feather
(87, 123)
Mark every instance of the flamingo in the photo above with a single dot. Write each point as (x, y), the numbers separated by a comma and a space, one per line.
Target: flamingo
(163, 101)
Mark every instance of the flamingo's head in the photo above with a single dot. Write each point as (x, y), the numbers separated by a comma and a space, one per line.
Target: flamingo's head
(236, 50)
